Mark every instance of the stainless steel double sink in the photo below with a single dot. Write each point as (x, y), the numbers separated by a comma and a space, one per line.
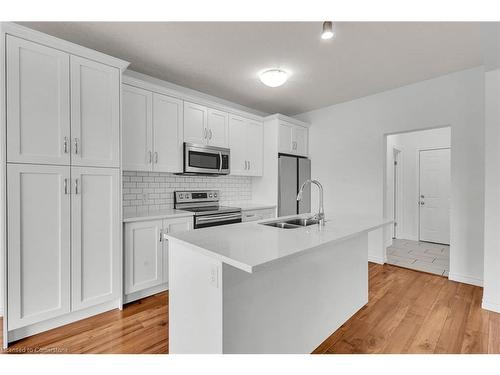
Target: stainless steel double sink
(292, 223)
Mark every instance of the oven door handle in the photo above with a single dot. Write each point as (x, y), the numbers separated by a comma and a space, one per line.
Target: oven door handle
(220, 162)
(213, 218)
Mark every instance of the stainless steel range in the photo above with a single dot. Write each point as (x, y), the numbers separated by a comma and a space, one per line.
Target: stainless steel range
(205, 206)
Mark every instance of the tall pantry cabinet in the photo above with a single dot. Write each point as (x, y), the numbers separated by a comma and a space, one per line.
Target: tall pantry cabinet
(62, 170)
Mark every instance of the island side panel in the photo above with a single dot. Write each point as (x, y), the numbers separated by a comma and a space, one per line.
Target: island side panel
(294, 305)
(195, 301)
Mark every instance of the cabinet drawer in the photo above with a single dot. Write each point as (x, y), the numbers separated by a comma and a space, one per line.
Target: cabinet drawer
(254, 215)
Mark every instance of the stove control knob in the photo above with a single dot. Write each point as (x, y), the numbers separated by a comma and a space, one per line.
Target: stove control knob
(215, 195)
(210, 195)
(181, 196)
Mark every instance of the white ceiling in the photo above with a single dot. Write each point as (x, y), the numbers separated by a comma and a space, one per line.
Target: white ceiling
(223, 59)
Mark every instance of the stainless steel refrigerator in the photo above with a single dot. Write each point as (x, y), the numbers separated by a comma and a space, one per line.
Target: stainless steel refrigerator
(292, 172)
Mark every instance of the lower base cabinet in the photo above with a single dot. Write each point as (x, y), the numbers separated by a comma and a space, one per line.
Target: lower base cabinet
(63, 242)
(146, 255)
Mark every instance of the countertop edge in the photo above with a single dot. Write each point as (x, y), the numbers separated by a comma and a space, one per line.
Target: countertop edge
(157, 216)
(251, 269)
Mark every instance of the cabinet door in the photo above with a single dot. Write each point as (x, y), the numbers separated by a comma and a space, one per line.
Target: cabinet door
(143, 255)
(285, 138)
(38, 114)
(238, 144)
(195, 123)
(95, 236)
(255, 149)
(300, 140)
(171, 226)
(95, 114)
(167, 134)
(217, 126)
(137, 126)
(38, 252)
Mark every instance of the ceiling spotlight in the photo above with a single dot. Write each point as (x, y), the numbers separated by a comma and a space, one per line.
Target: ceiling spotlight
(273, 77)
(327, 30)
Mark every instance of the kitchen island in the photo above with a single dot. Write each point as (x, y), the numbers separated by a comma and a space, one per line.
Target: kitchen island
(253, 288)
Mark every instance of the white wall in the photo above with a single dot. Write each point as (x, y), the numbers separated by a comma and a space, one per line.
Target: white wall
(347, 148)
(410, 145)
(491, 295)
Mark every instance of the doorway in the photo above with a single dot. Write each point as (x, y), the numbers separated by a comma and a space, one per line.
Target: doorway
(418, 187)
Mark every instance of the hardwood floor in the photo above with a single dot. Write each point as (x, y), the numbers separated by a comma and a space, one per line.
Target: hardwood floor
(408, 312)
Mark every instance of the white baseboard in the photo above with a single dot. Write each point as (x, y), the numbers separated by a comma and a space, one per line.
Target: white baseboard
(492, 306)
(465, 279)
(375, 259)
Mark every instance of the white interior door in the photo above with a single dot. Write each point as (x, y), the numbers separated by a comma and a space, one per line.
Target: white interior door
(435, 196)
(95, 113)
(95, 236)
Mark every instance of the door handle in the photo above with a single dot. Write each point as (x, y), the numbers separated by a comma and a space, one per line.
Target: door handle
(76, 146)
(205, 133)
(150, 157)
(220, 162)
(156, 157)
(249, 165)
(66, 186)
(245, 165)
(65, 145)
(210, 132)
(77, 189)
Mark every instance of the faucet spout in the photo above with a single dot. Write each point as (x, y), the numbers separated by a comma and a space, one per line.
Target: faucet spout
(321, 214)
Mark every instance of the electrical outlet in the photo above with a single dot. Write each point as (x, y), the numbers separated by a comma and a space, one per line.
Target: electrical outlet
(214, 276)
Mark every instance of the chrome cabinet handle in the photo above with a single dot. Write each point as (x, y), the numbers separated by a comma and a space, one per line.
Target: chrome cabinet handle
(156, 157)
(220, 162)
(66, 186)
(249, 165)
(210, 132)
(77, 189)
(422, 203)
(245, 165)
(205, 133)
(150, 157)
(65, 145)
(76, 146)
(161, 235)
(422, 197)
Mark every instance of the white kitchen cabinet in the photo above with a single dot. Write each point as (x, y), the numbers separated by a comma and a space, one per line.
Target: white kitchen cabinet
(152, 131)
(143, 255)
(195, 123)
(246, 144)
(171, 226)
(259, 214)
(137, 126)
(146, 254)
(38, 252)
(205, 126)
(95, 236)
(292, 139)
(38, 105)
(95, 113)
(167, 134)
(217, 128)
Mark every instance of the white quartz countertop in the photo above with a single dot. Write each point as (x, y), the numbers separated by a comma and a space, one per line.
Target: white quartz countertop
(251, 246)
(155, 215)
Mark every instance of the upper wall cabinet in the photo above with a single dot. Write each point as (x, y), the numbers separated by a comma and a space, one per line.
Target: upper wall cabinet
(206, 126)
(246, 143)
(293, 139)
(95, 113)
(45, 85)
(38, 110)
(152, 131)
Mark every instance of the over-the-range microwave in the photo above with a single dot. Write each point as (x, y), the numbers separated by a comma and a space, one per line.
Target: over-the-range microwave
(205, 160)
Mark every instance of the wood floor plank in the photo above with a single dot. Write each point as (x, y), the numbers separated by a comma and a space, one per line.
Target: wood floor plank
(407, 312)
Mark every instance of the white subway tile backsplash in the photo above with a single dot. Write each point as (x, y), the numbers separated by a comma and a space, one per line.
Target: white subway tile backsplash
(148, 191)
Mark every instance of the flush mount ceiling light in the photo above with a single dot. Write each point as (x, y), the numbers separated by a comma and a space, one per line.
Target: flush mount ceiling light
(273, 77)
(327, 30)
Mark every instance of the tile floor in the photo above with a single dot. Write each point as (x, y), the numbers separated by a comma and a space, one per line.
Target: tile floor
(420, 256)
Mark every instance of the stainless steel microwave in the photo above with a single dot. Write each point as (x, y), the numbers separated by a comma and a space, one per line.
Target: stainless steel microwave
(205, 160)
